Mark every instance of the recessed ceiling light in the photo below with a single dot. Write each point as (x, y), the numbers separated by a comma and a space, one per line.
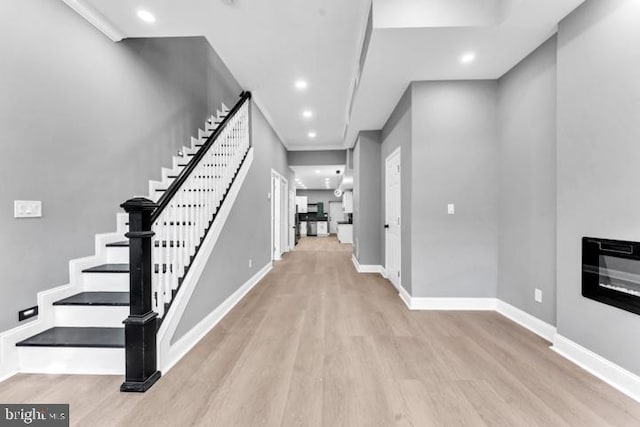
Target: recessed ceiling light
(146, 16)
(311, 134)
(307, 114)
(317, 170)
(301, 84)
(468, 58)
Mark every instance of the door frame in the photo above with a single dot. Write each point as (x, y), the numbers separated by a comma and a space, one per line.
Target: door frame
(279, 215)
(291, 226)
(397, 282)
(284, 215)
(275, 216)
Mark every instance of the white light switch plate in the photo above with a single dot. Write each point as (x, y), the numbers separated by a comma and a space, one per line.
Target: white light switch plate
(451, 209)
(27, 208)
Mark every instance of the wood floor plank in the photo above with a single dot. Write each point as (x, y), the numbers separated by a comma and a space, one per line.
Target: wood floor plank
(318, 344)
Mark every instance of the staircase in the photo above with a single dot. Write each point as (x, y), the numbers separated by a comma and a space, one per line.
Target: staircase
(82, 332)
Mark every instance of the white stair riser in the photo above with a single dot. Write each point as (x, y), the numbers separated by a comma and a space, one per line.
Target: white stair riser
(72, 360)
(90, 316)
(105, 282)
(118, 255)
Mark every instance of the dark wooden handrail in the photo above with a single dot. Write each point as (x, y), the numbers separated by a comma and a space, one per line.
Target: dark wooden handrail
(141, 326)
(164, 201)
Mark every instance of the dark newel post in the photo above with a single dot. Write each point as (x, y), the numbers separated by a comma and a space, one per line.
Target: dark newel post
(140, 328)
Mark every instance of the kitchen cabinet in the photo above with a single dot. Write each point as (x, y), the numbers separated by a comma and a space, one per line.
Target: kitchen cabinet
(345, 233)
(301, 203)
(322, 228)
(347, 202)
(303, 228)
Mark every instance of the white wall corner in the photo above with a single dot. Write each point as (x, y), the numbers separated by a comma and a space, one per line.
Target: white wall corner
(526, 320)
(367, 268)
(612, 374)
(96, 19)
(180, 348)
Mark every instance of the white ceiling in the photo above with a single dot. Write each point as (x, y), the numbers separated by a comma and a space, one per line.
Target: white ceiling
(315, 177)
(398, 56)
(268, 45)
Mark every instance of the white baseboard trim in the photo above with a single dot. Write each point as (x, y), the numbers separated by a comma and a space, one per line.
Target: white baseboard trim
(612, 374)
(181, 347)
(405, 297)
(449, 303)
(524, 319)
(367, 268)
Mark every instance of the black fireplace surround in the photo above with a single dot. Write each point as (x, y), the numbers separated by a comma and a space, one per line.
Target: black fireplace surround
(611, 272)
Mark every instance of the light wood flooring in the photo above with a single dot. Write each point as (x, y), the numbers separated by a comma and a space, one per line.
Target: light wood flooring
(317, 344)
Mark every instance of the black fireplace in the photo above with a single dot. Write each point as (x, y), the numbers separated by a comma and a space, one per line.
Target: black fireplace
(611, 272)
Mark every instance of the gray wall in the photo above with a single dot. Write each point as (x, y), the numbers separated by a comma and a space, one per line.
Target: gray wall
(455, 159)
(367, 199)
(85, 124)
(317, 158)
(397, 132)
(598, 152)
(249, 221)
(527, 238)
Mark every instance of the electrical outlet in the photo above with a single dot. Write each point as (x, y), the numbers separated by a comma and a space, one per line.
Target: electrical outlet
(538, 296)
(451, 209)
(27, 208)
(250, 263)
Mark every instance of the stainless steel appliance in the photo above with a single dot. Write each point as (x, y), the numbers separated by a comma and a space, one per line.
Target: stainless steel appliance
(312, 228)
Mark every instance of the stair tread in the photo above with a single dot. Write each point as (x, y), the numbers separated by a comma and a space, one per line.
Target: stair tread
(108, 268)
(118, 244)
(96, 299)
(77, 337)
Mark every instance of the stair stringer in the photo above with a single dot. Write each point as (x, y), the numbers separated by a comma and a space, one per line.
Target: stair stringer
(9, 353)
(169, 354)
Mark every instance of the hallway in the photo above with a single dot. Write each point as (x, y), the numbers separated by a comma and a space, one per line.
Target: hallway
(316, 343)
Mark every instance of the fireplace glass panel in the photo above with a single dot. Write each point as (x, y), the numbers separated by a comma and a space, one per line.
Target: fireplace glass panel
(611, 272)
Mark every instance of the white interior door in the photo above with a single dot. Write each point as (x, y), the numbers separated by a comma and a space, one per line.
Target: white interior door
(284, 215)
(392, 218)
(276, 208)
(292, 219)
(335, 214)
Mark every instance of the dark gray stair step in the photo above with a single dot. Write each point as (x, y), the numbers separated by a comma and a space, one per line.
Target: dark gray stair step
(108, 268)
(207, 165)
(196, 176)
(97, 299)
(160, 190)
(124, 243)
(77, 337)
